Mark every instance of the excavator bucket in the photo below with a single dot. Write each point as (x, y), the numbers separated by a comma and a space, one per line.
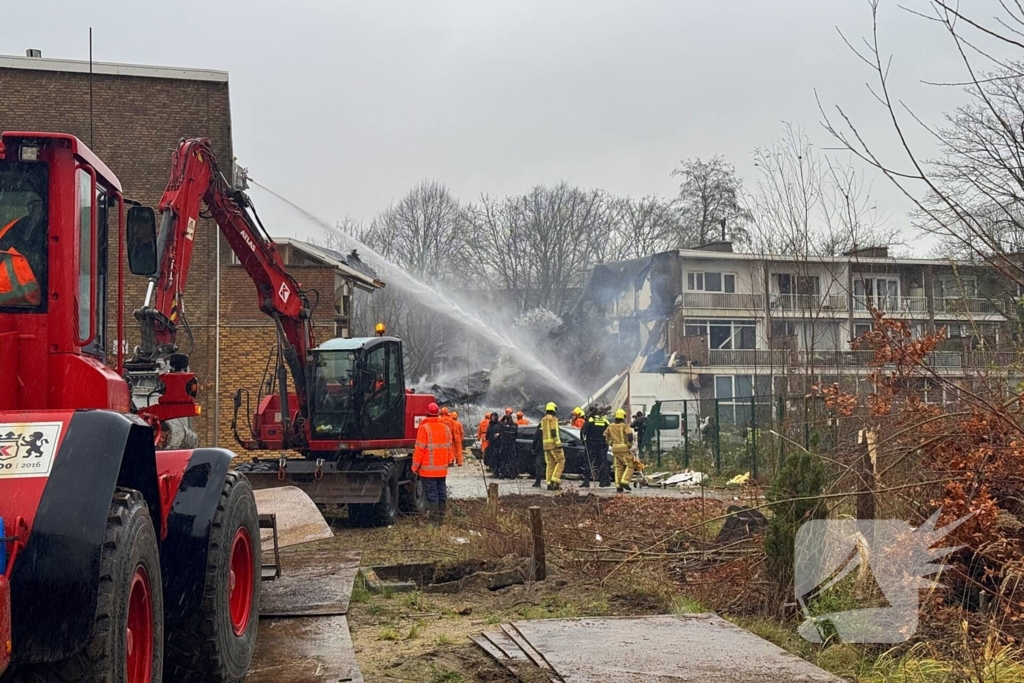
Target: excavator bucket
(296, 517)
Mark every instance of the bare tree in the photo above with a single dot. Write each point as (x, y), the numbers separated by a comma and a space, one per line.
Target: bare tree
(425, 234)
(537, 248)
(644, 226)
(709, 202)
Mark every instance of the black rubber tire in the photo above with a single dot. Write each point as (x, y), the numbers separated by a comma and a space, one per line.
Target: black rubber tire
(204, 648)
(129, 541)
(412, 498)
(385, 511)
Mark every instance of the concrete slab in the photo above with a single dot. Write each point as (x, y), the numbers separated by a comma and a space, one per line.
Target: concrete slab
(523, 644)
(665, 649)
(298, 518)
(315, 583)
(304, 650)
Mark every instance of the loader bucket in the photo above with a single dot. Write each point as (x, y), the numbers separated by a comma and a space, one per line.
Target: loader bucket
(298, 518)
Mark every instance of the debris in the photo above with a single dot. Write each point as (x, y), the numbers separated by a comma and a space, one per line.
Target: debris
(739, 479)
(741, 523)
(688, 478)
(461, 540)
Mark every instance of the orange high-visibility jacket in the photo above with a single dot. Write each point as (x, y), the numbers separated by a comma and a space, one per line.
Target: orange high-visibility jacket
(18, 284)
(457, 435)
(481, 431)
(433, 451)
(522, 421)
(578, 422)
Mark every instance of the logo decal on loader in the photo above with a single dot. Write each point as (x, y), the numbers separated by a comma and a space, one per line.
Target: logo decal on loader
(284, 292)
(27, 449)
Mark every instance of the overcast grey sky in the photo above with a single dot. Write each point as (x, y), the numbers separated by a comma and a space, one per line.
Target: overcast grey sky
(343, 106)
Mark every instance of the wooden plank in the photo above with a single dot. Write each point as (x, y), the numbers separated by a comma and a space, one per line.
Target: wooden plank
(304, 650)
(315, 583)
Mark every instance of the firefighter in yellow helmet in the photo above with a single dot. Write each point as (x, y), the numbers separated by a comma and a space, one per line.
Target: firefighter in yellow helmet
(620, 437)
(554, 457)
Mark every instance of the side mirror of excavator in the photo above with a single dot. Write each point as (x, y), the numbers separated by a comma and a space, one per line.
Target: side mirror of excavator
(141, 241)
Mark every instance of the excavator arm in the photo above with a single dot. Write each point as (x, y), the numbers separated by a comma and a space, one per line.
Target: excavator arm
(195, 180)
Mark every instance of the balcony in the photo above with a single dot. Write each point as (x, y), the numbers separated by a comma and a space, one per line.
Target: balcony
(962, 306)
(809, 303)
(863, 359)
(992, 359)
(776, 358)
(723, 301)
(914, 306)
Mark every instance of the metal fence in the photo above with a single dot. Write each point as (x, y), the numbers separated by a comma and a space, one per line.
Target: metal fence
(733, 436)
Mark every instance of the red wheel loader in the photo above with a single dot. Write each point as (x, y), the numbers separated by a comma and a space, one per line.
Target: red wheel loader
(120, 563)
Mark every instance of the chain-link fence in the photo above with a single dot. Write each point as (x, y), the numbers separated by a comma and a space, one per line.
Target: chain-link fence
(733, 436)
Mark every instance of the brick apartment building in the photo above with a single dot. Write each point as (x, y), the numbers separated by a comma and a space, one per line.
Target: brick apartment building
(132, 117)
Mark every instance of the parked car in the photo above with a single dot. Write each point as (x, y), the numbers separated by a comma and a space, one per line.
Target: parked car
(572, 446)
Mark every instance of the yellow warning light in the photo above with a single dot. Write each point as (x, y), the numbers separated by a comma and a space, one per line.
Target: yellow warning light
(380, 329)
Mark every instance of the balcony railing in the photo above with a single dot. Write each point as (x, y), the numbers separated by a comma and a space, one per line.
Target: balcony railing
(962, 305)
(812, 303)
(749, 357)
(912, 305)
(992, 359)
(723, 301)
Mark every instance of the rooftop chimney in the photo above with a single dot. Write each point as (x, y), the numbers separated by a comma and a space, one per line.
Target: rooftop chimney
(33, 53)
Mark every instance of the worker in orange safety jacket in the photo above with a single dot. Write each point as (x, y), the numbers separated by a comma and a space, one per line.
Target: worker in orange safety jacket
(458, 436)
(22, 256)
(520, 420)
(430, 461)
(577, 420)
(481, 434)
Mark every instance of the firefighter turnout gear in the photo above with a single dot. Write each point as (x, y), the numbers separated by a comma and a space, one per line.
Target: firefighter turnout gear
(620, 438)
(554, 457)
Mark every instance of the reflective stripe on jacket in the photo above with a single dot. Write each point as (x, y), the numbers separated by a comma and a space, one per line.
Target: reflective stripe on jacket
(433, 451)
(619, 437)
(18, 284)
(549, 430)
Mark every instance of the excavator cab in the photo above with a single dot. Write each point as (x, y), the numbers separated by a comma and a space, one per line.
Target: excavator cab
(358, 390)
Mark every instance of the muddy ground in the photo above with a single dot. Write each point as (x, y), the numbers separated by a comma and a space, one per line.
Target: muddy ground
(423, 636)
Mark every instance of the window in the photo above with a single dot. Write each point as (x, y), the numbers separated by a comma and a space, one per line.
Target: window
(711, 282)
(724, 334)
(669, 422)
(958, 288)
(85, 199)
(734, 394)
(880, 292)
(860, 329)
(783, 328)
(376, 386)
(24, 204)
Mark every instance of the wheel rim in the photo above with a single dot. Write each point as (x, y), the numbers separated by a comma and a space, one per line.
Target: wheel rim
(139, 632)
(240, 581)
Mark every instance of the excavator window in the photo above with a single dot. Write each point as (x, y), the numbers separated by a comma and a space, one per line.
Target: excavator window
(334, 388)
(23, 226)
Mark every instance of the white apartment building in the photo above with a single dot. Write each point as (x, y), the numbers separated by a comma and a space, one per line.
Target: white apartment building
(711, 323)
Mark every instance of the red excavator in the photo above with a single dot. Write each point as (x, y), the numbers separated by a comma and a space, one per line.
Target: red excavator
(347, 411)
(120, 562)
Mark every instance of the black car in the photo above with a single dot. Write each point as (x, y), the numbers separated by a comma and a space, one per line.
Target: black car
(572, 446)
